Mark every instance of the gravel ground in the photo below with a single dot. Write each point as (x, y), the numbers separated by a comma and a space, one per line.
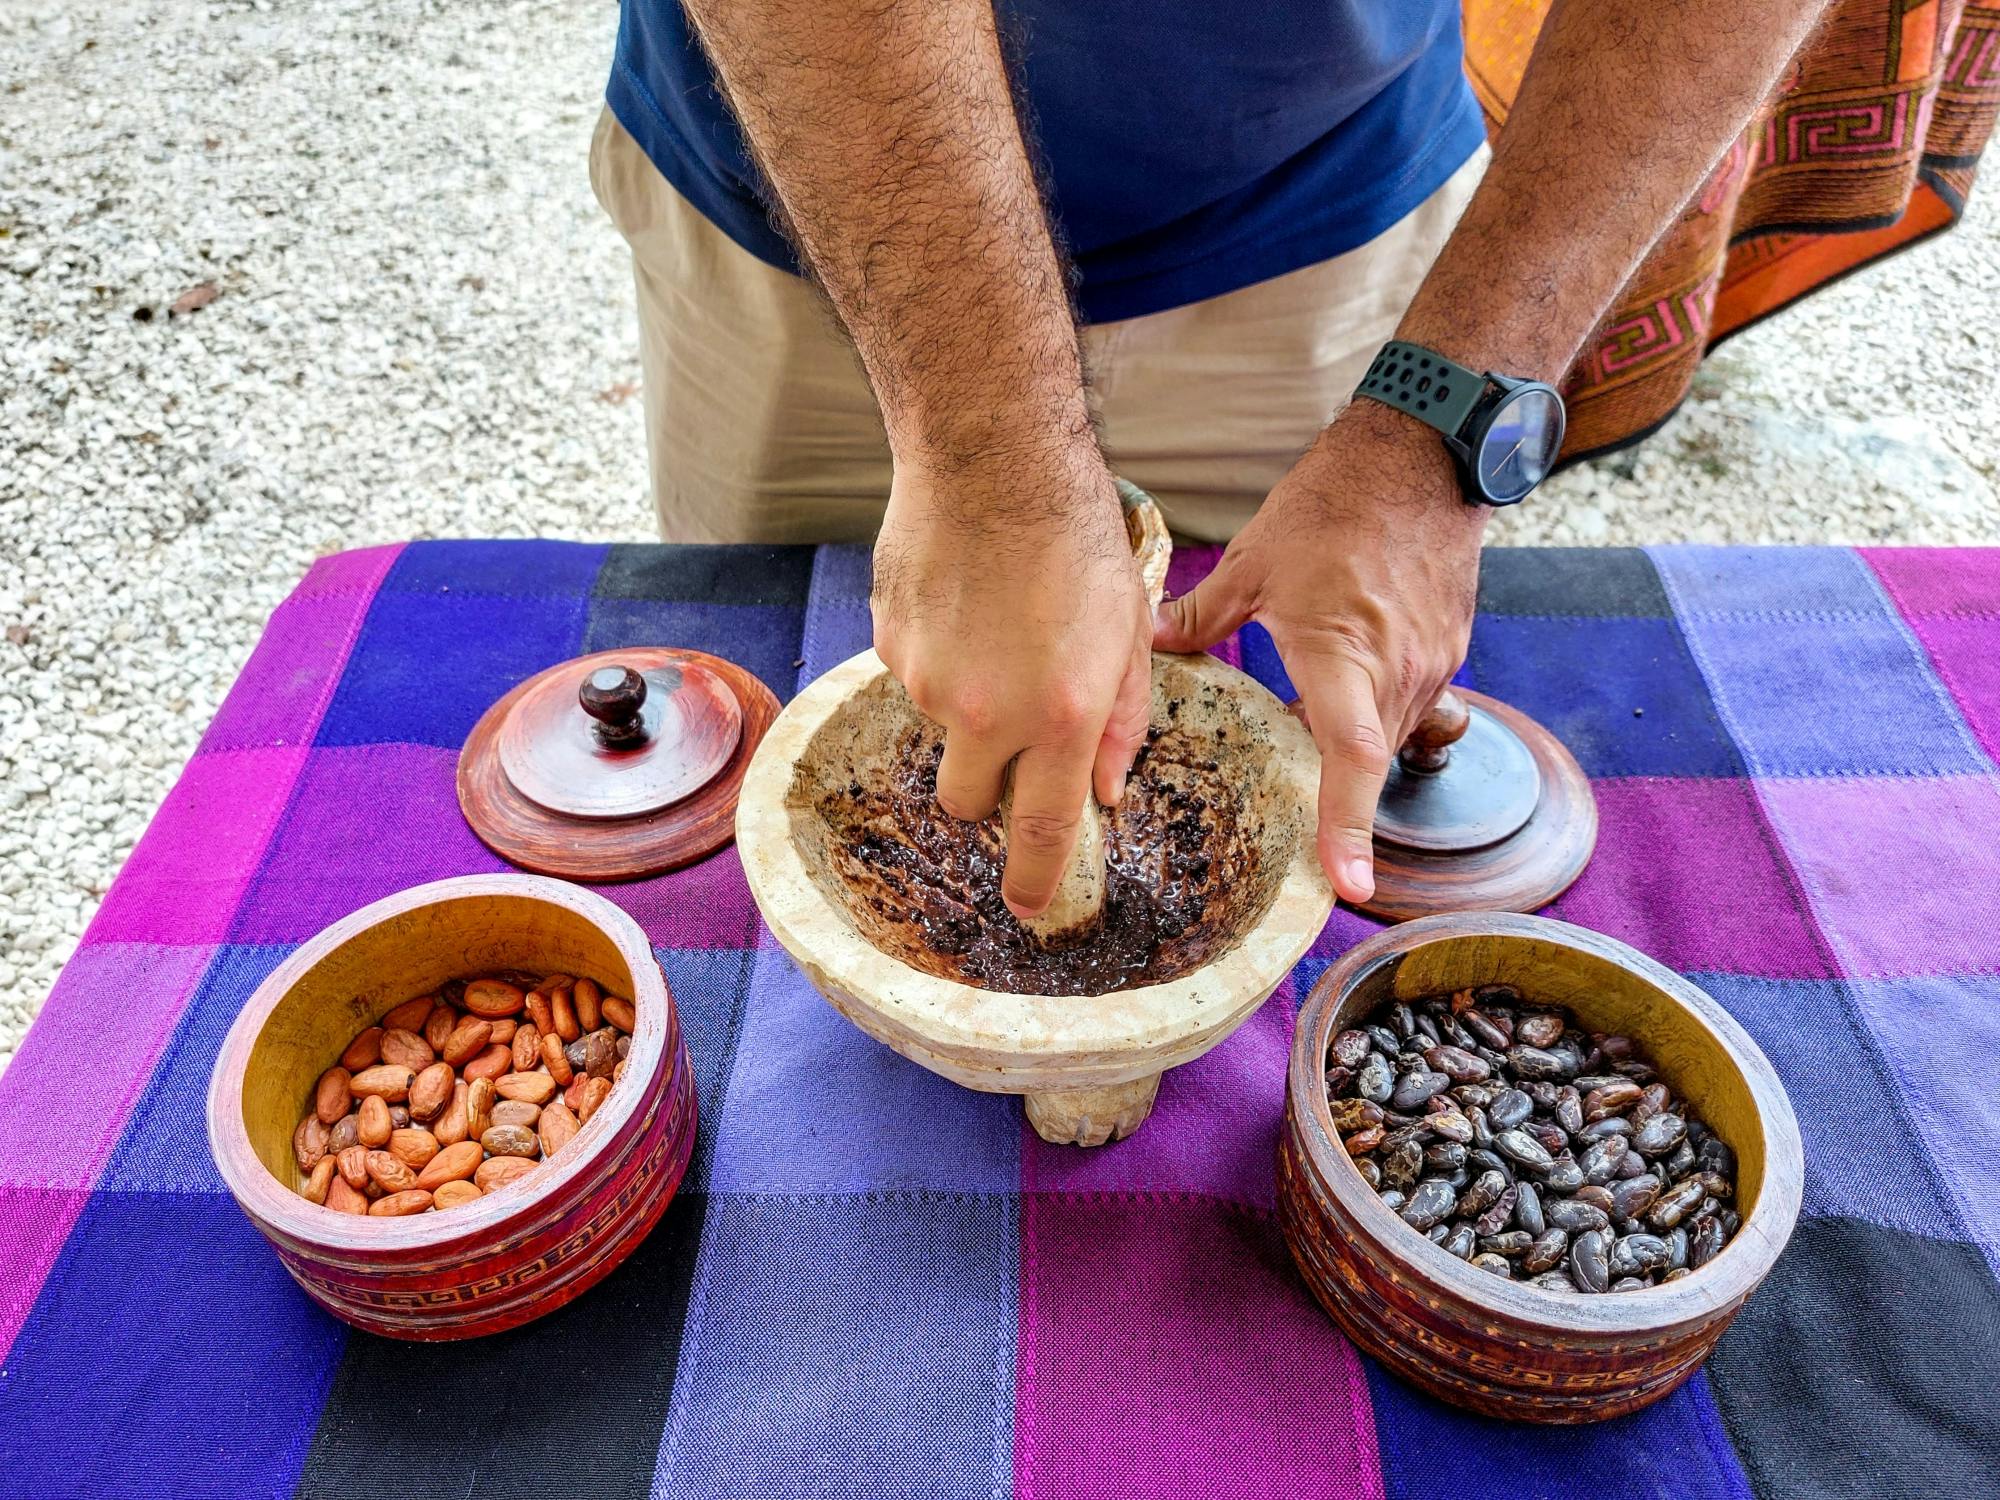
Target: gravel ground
(422, 326)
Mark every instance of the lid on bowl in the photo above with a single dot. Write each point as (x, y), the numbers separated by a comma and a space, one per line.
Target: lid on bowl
(1483, 809)
(614, 765)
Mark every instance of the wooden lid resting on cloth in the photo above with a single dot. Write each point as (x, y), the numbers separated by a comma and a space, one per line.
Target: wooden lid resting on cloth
(616, 765)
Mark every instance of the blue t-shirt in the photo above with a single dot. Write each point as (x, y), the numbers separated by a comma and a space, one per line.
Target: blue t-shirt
(1193, 147)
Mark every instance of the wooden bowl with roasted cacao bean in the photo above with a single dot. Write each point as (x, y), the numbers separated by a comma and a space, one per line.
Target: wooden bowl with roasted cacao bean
(1529, 1169)
(458, 1108)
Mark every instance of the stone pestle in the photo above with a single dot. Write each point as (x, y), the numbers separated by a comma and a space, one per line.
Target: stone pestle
(1079, 900)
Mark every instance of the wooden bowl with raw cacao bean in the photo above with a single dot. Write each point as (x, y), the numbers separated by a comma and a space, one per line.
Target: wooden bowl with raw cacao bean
(1529, 1169)
(428, 1162)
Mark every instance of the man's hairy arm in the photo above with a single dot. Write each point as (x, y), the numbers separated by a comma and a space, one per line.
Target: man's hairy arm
(1005, 595)
(887, 132)
(1364, 560)
(1626, 107)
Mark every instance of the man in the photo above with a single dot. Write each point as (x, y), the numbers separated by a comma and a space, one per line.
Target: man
(1249, 198)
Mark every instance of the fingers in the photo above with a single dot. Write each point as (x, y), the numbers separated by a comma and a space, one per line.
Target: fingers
(1354, 760)
(1204, 615)
(1125, 730)
(971, 774)
(1050, 784)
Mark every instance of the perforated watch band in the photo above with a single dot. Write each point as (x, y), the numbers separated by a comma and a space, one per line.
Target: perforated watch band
(1428, 386)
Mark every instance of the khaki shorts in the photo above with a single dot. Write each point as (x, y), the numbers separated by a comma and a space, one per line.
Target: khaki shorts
(761, 426)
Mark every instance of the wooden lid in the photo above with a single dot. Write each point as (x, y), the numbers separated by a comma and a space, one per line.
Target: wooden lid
(615, 765)
(1483, 810)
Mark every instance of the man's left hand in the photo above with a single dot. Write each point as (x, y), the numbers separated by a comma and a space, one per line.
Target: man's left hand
(1363, 564)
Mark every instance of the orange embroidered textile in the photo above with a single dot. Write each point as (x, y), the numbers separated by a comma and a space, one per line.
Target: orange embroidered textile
(1869, 145)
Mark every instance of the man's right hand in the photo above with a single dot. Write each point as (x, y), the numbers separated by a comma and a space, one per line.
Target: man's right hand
(1007, 603)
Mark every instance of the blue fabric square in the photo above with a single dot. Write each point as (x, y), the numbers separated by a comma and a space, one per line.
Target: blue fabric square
(165, 1142)
(857, 1347)
(1624, 695)
(1939, 1036)
(763, 639)
(114, 1389)
(511, 569)
(818, 1106)
(426, 666)
(1766, 580)
(708, 985)
(1675, 1449)
(838, 623)
(1864, 1156)
(1804, 697)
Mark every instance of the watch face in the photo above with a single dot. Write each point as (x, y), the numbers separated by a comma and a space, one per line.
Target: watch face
(1520, 444)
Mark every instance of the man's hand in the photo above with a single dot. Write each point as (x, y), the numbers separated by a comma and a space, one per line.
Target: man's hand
(1027, 640)
(1363, 565)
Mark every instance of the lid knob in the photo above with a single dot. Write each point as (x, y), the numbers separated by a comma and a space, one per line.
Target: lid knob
(616, 698)
(1444, 723)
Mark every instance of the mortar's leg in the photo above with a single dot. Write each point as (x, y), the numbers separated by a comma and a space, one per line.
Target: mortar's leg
(1090, 1117)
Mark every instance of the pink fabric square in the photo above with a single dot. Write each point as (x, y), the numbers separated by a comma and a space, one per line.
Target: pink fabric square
(1213, 1130)
(704, 905)
(282, 691)
(366, 821)
(191, 867)
(360, 571)
(1688, 871)
(1965, 653)
(34, 1223)
(1177, 1332)
(1902, 871)
(93, 1047)
(1939, 580)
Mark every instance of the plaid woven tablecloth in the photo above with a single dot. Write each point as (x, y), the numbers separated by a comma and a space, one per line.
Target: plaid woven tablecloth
(874, 1283)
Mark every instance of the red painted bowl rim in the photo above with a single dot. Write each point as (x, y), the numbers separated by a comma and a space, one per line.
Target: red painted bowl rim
(278, 1210)
(1722, 1284)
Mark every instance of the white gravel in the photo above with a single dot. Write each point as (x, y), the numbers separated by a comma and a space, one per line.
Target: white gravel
(423, 327)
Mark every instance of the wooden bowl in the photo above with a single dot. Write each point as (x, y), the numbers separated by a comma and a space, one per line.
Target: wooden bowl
(1088, 1066)
(524, 1249)
(1507, 1348)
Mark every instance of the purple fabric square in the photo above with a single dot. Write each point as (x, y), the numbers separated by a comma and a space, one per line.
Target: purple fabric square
(164, 1145)
(93, 1047)
(1344, 928)
(850, 1346)
(427, 665)
(703, 905)
(1939, 580)
(198, 856)
(1811, 696)
(1765, 581)
(1169, 1349)
(283, 689)
(1213, 1130)
(1900, 871)
(1964, 651)
(1624, 695)
(1688, 871)
(1941, 1037)
(34, 1223)
(1864, 1159)
(814, 1105)
(365, 821)
(504, 568)
(111, 1390)
(1676, 1450)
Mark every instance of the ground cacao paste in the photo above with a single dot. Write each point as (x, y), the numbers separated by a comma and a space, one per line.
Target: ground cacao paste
(1181, 869)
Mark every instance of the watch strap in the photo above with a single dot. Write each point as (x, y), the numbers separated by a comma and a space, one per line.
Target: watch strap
(1423, 383)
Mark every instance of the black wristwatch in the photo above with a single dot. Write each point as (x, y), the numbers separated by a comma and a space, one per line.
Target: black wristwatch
(1504, 433)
